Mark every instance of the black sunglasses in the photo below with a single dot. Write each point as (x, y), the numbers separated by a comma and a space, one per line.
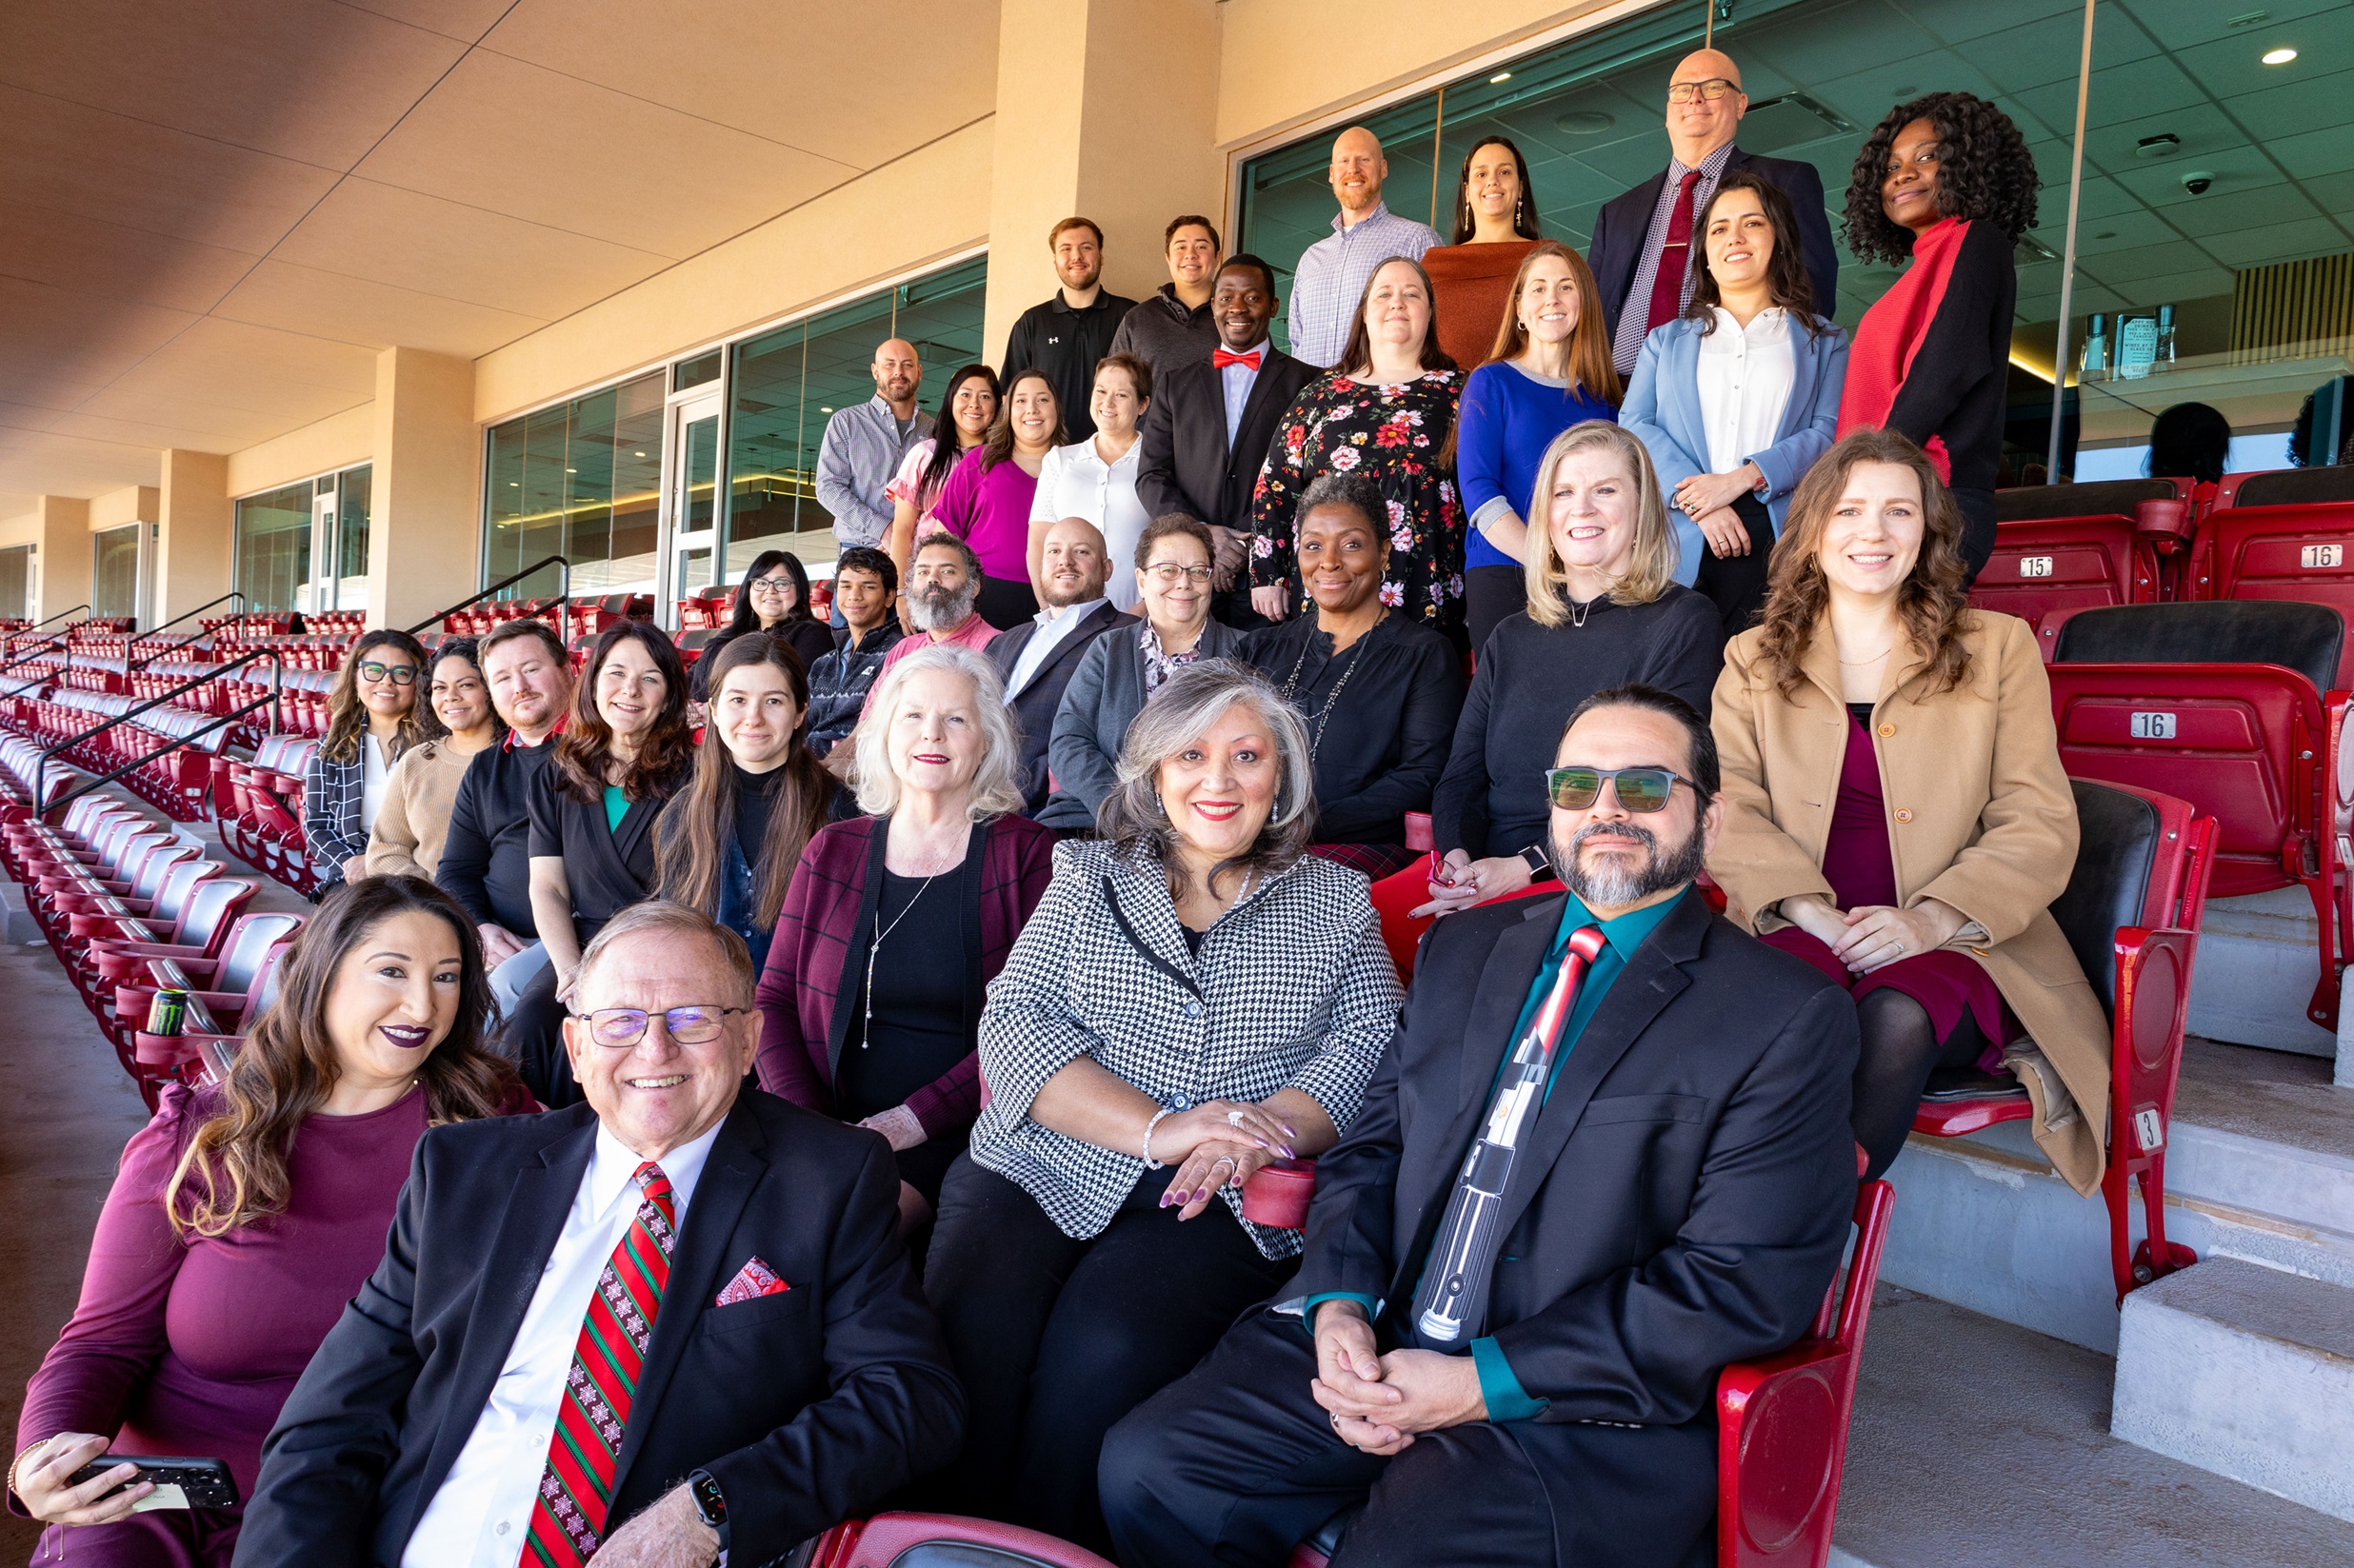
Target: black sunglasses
(1640, 789)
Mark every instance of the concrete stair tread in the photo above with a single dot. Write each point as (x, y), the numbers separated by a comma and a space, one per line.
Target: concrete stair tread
(1980, 1444)
(2310, 1314)
(2276, 1095)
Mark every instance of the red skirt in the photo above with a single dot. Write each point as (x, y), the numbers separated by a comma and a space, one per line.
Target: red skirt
(1943, 983)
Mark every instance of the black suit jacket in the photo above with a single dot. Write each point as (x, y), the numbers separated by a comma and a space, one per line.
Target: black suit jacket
(806, 1406)
(1034, 704)
(1186, 466)
(1619, 229)
(1684, 1195)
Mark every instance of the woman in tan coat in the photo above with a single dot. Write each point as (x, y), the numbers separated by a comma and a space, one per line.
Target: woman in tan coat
(1896, 813)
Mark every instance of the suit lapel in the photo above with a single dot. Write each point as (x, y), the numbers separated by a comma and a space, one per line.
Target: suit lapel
(1256, 414)
(536, 1207)
(734, 1168)
(1681, 383)
(1650, 981)
(634, 823)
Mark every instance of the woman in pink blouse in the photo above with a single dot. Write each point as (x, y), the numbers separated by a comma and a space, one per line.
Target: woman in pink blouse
(987, 502)
(245, 1215)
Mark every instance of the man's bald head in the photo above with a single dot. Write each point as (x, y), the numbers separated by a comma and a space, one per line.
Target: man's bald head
(1074, 563)
(897, 373)
(1700, 125)
(1357, 170)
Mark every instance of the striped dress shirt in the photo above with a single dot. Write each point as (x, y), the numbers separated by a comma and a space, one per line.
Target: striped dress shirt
(1332, 274)
(1633, 323)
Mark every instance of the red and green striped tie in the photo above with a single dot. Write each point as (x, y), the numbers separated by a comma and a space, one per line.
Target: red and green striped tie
(576, 1489)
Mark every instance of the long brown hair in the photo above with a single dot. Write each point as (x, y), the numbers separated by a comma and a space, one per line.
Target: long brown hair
(1786, 284)
(1360, 349)
(997, 447)
(347, 716)
(234, 1169)
(692, 856)
(1932, 601)
(1590, 341)
(665, 751)
(1524, 209)
(946, 445)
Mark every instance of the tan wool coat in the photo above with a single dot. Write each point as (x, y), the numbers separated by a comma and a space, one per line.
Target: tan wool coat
(414, 818)
(1980, 816)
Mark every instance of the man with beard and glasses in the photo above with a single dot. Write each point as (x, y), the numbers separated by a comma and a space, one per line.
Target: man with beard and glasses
(1039, 657)
(1606, 1154)
(943, 584)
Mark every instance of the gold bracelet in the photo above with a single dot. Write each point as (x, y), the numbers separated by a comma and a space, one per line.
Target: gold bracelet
(16, 1463)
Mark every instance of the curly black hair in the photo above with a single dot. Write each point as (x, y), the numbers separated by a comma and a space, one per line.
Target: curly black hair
(1986, 172)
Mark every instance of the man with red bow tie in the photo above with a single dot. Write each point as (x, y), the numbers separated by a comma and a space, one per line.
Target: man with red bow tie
(1207, 429)
(670, 1322)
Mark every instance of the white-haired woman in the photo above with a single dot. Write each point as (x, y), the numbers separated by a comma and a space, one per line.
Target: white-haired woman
(896, 921)
(1197, 995)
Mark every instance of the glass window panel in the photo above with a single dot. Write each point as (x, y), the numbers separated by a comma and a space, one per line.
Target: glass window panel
(583, 480)
(274, 550)
(354, 489)
(114, 573)
(689, 373)
(15, 581)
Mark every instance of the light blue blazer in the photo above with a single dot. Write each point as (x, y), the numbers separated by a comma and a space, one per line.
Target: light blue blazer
(1663, 408)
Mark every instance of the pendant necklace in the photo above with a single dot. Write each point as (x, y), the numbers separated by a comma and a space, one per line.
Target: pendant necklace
(866, 1034)
(1323, 714)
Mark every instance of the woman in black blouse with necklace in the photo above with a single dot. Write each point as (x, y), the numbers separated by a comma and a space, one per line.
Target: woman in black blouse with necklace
(1378, 691)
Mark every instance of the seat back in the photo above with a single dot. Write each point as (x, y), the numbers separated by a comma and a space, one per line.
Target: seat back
(946, 1541)
(210, 906)
(1396, 896)
(149, 879)
(2288, 486)
(251, 940)
(2299, 552)
(2066, 564)
(2031, 502)
(2307, 638)
(2117, 853)
(179, 886)
(263, 994)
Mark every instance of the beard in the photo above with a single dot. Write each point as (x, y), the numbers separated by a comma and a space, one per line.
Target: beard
(938, 607)
(1619, 880)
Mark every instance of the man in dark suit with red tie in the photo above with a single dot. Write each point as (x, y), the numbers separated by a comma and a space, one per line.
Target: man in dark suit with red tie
(1206, 432)
(1606, 1154)
(1645, 242)
(669, 1322)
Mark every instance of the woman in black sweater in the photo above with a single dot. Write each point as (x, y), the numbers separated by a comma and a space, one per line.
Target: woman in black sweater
(1604, 609)
(1380, 693)
(774, 599)
(1947, 182)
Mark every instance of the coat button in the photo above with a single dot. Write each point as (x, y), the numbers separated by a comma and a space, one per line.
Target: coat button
(1887, 729)
(1903, 815)
(1193, 1009)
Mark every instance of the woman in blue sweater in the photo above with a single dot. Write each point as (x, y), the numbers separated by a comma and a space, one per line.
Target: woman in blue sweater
(1550, 369)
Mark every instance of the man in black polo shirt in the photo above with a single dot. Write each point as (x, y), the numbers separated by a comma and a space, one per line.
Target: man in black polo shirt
(1067, 335)
(486, 858)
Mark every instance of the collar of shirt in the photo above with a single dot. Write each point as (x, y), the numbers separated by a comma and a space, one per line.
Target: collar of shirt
(553, 730)
(1055, 627)
(1621, 935)
(1765, 326)
(1711, 168)
(610, 1169)
(1057, 300)
(1381, 210)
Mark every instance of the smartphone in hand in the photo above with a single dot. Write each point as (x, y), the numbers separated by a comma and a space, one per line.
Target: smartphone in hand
(179, 1482)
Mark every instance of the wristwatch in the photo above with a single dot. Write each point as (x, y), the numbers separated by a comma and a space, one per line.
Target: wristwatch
(1538, 861)
(709, 1503)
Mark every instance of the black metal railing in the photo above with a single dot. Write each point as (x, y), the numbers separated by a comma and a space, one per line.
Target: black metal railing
(59, 616)
(563, 592)
(142, 636)
(277, 687)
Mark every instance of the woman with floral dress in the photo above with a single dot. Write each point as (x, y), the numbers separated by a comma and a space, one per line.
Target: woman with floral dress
(1386, 414)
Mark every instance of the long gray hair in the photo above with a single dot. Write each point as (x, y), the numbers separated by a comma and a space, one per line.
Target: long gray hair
(1188, 703)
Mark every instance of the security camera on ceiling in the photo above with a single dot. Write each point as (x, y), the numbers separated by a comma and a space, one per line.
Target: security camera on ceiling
(2198, 182)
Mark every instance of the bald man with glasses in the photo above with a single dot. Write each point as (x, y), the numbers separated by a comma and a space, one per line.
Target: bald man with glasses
(1645, 240)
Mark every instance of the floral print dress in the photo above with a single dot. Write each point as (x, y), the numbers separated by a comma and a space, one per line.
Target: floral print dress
(1393, 435)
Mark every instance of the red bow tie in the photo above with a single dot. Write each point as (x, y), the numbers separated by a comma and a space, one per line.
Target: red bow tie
(1220, 358)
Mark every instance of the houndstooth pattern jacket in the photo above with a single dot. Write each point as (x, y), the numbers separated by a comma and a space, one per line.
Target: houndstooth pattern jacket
(1292, 989)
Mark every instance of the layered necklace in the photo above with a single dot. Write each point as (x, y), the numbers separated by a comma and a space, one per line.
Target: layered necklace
(1323, 714)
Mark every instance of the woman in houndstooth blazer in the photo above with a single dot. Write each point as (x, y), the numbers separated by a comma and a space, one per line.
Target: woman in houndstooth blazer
(1194, 997)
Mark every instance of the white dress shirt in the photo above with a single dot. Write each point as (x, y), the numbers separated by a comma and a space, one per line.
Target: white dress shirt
(374, 774)
(1054, 628)
(1075, 481)
(482, 1513)
(1744, 383)
(1236, 381)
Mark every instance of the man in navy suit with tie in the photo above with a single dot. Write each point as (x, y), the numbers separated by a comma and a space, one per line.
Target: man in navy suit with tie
(1606, 1154)
(1644, 241)
(669, 1322)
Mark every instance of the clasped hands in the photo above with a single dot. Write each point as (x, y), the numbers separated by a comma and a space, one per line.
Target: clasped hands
(1871, 936)
(1379, 1403)
(1217, 1144)
(1707, 500)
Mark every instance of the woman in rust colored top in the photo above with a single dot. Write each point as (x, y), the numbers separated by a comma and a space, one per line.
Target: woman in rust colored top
(246, 1215)
(1495, 226)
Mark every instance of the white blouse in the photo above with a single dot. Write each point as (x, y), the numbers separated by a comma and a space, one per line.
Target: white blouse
(1075, 481)
(1744, 383)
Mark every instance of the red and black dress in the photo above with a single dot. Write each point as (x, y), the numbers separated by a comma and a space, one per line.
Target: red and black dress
(1931, 359)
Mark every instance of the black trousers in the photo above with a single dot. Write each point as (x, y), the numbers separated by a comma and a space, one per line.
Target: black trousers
(1736, 584)
(1237, 1463)
(532, 1039)
(1004, 603)
(1490, 594)
(1977, 509)
(1056, 1337)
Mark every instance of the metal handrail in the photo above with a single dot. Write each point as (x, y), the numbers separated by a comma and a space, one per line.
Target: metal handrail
(59, 616)
(277, 687)
(139, 636)
(175, 744)
(49, 645)
(563, 593)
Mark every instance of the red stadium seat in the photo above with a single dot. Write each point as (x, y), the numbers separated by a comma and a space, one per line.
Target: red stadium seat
(2284, 487)
(2301, 551)
(943, 1541)
(2066, 564)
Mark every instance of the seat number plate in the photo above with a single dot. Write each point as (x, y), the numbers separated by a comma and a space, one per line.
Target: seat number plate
(2149, 1130)
(2153, 726)
(2313, 557)
(2040, 566)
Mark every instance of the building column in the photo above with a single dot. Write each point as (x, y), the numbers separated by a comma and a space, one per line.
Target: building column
(1105, 109)
(424, 542)
(195, 547)
(64, 556)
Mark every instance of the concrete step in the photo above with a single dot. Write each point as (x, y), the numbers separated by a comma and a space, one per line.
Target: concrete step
(1980, 1444)
(2259, 956)
(2248, 1372)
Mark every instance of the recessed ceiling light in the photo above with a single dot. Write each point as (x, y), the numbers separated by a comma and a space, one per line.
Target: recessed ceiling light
(825, 410)
(637, 454)
(2279, 56)
(1500, 76)
(571, 470)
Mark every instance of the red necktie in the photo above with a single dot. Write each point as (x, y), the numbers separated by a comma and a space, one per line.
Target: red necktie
(576, 1489)
(1220, 358)
(1675, 257)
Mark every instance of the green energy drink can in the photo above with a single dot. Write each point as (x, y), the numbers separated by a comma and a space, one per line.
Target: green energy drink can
(168, 1013)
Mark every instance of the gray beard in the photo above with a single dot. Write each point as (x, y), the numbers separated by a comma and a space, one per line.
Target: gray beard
(1619, 883)
(938, 609)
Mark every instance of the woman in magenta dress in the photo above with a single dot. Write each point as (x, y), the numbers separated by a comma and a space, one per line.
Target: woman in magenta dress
(245, 1215)
(987, 501)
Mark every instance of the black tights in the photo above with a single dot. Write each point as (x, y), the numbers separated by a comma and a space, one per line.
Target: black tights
(1901, 1049)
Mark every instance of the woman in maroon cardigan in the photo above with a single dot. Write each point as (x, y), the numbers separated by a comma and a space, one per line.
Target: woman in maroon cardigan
(896, 922)
(244, 1217)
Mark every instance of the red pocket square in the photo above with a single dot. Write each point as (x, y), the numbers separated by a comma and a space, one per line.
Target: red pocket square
(754, 1281)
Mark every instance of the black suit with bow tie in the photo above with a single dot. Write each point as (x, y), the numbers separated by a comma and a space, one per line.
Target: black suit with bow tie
(1681, 1203)
(804, 1406)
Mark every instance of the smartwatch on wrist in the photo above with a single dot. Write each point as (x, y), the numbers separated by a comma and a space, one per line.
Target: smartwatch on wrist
(709, 1504)
(1538, 861)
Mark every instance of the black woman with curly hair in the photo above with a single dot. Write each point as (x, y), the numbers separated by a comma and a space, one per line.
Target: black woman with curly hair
(1948, 181)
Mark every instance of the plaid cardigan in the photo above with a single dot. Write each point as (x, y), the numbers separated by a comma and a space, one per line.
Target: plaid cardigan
(817, 956)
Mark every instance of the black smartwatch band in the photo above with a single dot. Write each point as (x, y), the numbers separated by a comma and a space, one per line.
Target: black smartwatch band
(1538, 861)
(709, 1503)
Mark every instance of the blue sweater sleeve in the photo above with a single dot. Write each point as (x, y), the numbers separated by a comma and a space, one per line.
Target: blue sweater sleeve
(1479, 446)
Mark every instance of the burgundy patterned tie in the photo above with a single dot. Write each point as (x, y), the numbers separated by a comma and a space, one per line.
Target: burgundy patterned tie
(1675, 257)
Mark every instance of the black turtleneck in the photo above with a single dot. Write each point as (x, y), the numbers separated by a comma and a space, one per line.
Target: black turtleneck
(755, 793)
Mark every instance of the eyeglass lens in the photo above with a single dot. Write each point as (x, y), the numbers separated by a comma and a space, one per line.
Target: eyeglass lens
(1639, 790)
(400, 675)
(622, 1027)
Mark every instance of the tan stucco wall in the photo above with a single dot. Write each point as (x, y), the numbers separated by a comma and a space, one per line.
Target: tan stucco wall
(63, 559)
(425, 501)
(335, 441)
(132, 504)
(193, 552)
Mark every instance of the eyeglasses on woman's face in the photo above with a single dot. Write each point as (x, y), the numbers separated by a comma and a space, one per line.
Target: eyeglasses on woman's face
(778, 585)
(619, 1028)
(1171, 572)
(1640, 790)
(400, 675)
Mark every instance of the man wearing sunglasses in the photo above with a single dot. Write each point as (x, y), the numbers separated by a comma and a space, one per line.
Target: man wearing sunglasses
(1606, 1154)
(671, 1321)
(1643, 241)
